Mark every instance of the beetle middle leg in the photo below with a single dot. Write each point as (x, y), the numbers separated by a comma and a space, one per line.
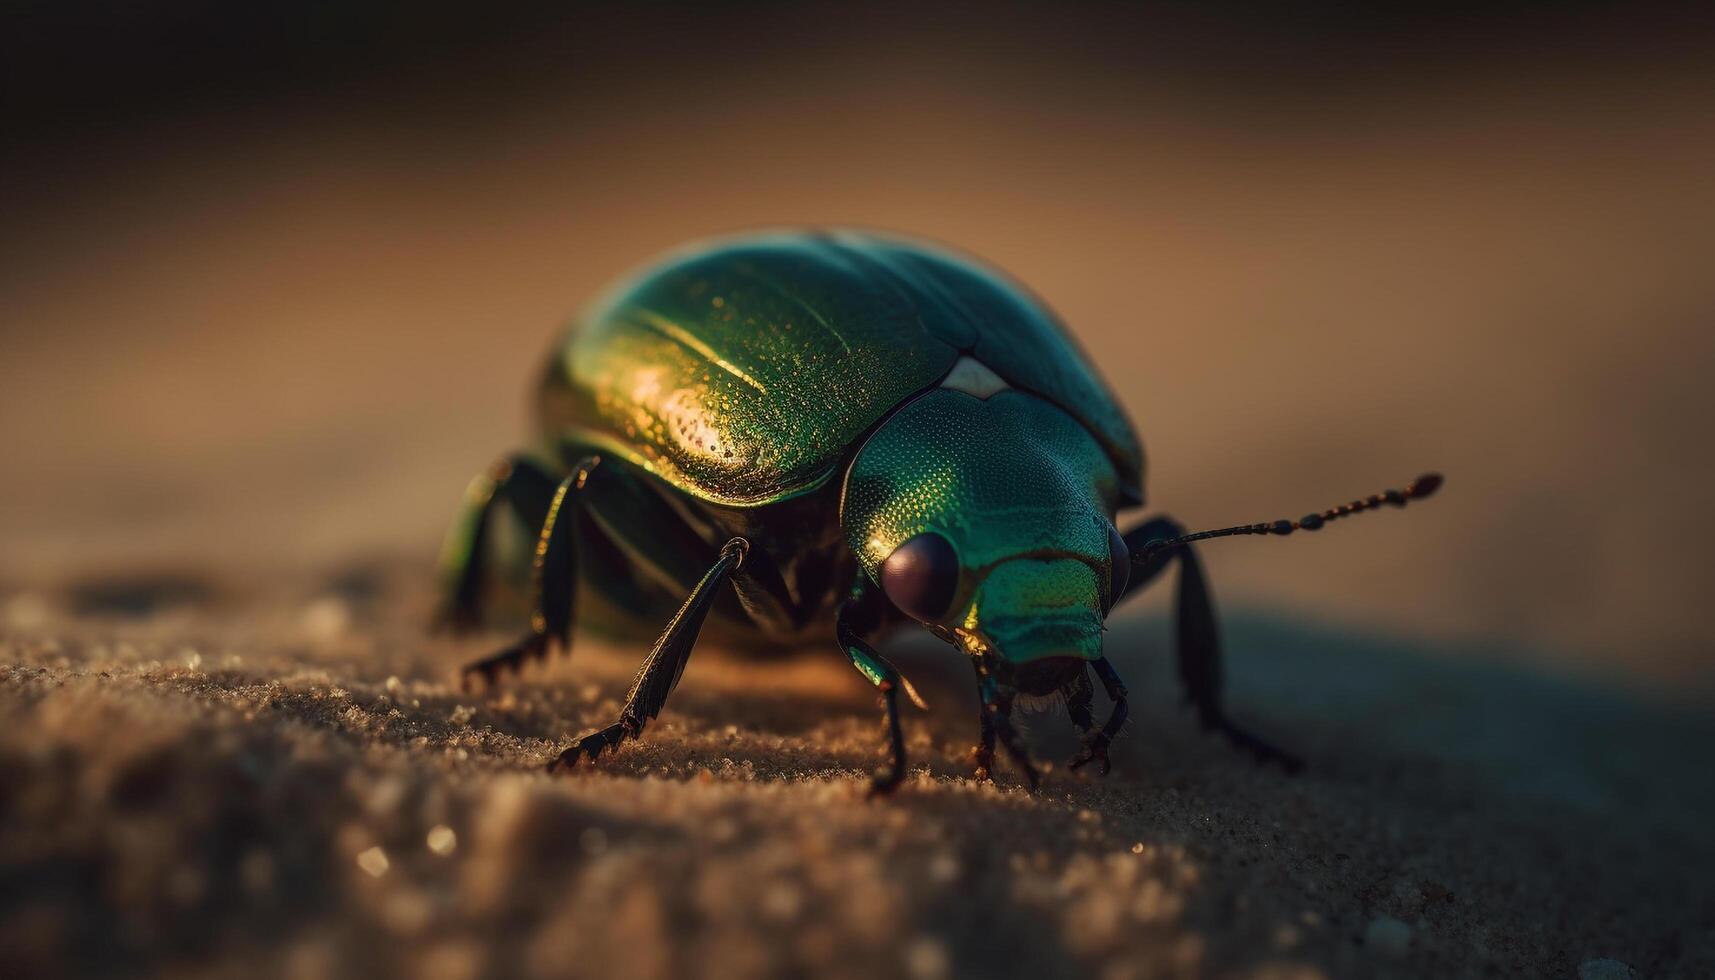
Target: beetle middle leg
(1196, 637)
(661, 670)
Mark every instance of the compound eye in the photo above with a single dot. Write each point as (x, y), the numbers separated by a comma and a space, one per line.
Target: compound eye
(922, 576)
(1120, 558)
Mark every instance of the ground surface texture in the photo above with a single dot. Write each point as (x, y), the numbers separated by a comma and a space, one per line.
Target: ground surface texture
(288, 782)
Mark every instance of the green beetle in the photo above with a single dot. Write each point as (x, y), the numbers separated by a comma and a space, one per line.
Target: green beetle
(799, 432)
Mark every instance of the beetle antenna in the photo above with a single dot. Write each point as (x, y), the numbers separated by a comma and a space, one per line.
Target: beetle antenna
(1417, 489)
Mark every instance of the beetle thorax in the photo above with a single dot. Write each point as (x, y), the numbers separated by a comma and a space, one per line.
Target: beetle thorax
(1009, 492)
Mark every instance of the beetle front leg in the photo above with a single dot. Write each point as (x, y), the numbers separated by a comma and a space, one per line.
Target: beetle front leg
(1096, 743)
(1079, 694)
(983, 753)
(997, 725)
(857, 615)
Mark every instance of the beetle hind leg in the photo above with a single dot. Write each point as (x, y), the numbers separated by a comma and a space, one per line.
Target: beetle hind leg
(515, 480)
(554, 574)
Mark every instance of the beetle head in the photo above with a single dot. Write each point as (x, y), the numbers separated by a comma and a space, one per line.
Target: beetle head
(990, 521)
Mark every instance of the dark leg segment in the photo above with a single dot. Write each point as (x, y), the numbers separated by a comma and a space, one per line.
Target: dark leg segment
(1079, 695)
(524, 485)
(983, 753)
(665, 664)
(553, 577)
(858, 615)
(997, 725)
(1096, 743)
(1197, 639)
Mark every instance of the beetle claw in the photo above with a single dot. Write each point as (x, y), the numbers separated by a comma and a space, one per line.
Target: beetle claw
(468, 676)
(1031, 775)
(591, 747)
(885, 781)
(1095, 750)
(1262, 751)
(983, 758)
(512, 658)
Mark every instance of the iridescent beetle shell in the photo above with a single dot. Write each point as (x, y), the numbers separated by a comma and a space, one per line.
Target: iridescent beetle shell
(746, 371)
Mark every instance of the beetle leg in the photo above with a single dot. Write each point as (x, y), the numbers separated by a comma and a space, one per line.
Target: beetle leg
(1079, 694)
(997, 724)
(857, 615)
(661, 670)
(1197, 638)
(554, 575)
(1001, 714)
(522, 483)
(1096, 745)
(982, 754)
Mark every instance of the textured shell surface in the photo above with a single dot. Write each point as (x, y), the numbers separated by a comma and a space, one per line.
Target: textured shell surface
(743, 371)
(1024, 495)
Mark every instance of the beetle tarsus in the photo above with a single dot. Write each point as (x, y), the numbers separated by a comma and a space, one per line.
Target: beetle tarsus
(982, 760)
(512, 658)
(1260, 749)
(591, 746)
(1095, 750)
(888, 777)
(885, 781)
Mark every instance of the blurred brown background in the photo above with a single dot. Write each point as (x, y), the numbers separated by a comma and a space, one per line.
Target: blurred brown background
(273, 284)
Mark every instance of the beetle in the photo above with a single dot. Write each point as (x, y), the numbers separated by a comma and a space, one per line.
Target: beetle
(805, 432)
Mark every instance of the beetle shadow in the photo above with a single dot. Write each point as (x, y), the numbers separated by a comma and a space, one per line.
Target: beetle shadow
(1358, 704)
(1355, 704)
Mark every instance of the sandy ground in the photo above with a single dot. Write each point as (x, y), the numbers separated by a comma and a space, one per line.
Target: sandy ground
(246, 346)
(284, 781)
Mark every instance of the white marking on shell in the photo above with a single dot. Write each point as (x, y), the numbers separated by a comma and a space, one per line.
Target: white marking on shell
(973, 377)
